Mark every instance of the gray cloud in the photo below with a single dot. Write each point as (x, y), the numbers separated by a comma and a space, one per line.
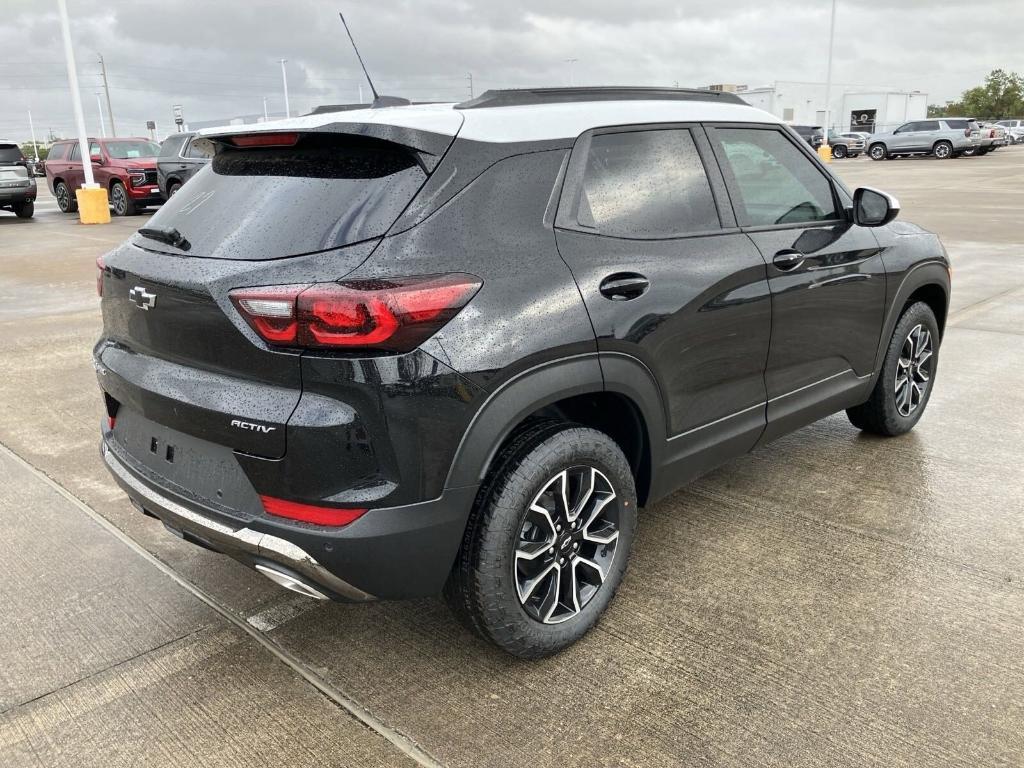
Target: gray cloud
(219, 59)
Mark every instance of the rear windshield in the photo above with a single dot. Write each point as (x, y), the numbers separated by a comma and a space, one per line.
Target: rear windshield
(10, 153)
(326, 191)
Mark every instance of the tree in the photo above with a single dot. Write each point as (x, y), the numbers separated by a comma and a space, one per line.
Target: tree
(1001, 95)
(27, 151)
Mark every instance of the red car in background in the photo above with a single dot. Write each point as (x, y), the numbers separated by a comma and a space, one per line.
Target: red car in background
(125, 166)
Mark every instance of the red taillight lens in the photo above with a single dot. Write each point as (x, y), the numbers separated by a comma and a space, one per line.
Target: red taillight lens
(310, 513)
(394, 315)
(265, 140)
(101, 268)
(967, 132)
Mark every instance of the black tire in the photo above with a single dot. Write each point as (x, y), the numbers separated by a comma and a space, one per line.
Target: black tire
(120, 203)
(65, 197)
(25, 210)
(878, 152)
(970, 152)
(172, 189)
(883, 413)
(839, 151)
(484, 587)
(942, 150)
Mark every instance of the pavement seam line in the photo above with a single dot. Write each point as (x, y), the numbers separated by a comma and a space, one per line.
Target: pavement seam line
(401, 742)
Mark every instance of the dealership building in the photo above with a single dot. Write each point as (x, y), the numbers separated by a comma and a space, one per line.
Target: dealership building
(852, 107)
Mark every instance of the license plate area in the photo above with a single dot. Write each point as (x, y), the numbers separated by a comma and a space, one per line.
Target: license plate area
(190, 467)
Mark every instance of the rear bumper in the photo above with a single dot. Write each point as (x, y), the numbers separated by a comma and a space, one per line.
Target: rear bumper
(399, 552)
(17, 195)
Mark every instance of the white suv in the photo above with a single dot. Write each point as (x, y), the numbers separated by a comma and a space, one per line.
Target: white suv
(1014, 130)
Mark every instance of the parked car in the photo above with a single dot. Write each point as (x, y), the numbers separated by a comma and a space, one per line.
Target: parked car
(125, 166)
(943, 138)
(862, 135)
(17, 187)
(993, 136)
(812, 134)
(845, 146)
(1014, 130)
(181, 155)
(389, 352)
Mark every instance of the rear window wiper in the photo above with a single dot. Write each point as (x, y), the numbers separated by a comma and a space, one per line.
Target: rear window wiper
(168, 235)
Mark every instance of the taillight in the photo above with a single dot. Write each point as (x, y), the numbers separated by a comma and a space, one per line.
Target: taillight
(992, 133)
(100, 269)
(311, 513)
(393, 315)
(265, 140)
(967, 132)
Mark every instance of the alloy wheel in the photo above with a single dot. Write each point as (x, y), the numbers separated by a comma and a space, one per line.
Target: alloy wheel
(119, 199)
(913, 370)
(566, 544)
(942, 151)
(63, 197)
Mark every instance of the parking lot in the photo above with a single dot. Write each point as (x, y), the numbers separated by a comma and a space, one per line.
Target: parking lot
(833, 599)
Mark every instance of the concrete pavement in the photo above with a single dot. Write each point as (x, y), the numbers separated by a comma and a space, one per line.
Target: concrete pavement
(832, 599)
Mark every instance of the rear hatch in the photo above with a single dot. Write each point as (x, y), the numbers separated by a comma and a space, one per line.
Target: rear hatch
(174, 349)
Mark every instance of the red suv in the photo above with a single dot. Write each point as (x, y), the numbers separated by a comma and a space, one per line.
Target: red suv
(126, 167)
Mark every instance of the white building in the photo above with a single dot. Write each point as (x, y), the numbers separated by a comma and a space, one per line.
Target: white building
(852, 108)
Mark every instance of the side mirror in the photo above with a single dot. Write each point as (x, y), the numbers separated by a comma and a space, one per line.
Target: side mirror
(874, 208)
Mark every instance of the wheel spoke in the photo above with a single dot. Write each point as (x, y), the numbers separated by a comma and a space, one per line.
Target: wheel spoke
(585, 496)
(606, 535)
(591, 564)
(527, 589)
(552, 598)
(535, 507)
(531, 550)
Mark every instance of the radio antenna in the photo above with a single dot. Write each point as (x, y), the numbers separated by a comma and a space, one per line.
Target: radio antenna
(355, 48)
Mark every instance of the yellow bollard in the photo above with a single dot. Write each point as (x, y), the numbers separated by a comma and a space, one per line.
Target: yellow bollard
(825, 153)
(93, 207)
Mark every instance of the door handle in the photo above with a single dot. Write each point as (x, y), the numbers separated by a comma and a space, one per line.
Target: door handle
(623, 286)
(788, 259)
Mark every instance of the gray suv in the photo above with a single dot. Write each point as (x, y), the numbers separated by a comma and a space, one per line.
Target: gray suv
(181, 155)
(944, 138)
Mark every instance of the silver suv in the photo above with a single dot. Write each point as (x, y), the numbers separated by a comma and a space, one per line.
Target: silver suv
(1014, 130)
(944, 138)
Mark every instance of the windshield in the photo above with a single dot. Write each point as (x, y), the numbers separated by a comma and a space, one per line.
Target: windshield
(130, 149)
(10, 153)
(327, 191)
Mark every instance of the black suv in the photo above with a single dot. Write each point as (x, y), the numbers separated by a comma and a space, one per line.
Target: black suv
(386, 352)
(181, 155)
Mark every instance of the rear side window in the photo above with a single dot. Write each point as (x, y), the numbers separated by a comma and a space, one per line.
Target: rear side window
(929, 125)
(646, 185)
(76, 153)
(773, 182)
(201, 149)
(956, 124)
(171, 145)
(58, 152)
(327, 191)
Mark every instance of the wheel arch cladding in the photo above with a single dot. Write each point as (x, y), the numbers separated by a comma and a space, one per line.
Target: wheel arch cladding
(927, 282)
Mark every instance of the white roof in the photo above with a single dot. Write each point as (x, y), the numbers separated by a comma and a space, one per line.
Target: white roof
(530, 122)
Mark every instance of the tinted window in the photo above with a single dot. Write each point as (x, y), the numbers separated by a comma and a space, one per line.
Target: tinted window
(956, 124)
(646, 184)
(774, 182)
(10, 153)
(928, 125)
(200, 148)
(172, 144)
(57, 152)
(76, 153)
(94, 151)
(266, 203)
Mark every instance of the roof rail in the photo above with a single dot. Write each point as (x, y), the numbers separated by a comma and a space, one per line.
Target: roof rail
(515, 97)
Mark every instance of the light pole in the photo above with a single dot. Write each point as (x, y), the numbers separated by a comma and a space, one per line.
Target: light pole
(571, 63)
(826, 149)
(32, 130)
(92, 199)
(284, 79)
(99, 108)
(266, 115)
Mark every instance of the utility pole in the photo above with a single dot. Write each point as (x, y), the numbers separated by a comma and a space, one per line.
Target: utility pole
(826, 147)
(469, 76)
(266, 115)
(32, 130)
(99, 108)
(284, 79)
(106, 88)
(571, 63)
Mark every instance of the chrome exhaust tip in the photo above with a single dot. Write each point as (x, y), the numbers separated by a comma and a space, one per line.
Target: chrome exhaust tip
(290, 582)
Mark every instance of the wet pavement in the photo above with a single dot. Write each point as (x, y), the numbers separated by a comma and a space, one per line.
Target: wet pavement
(832, 599)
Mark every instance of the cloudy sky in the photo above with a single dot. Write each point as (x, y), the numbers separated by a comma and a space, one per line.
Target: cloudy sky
(219, 59)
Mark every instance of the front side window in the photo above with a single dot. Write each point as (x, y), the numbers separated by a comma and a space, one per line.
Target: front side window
(646, 185)
(773, 182)
(929, 125)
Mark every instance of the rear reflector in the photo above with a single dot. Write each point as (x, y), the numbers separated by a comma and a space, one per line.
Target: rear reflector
(265, 140)
(310, 513)
(394, 315)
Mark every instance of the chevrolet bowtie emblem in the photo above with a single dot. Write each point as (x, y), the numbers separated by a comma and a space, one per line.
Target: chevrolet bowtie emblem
(142, 298)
